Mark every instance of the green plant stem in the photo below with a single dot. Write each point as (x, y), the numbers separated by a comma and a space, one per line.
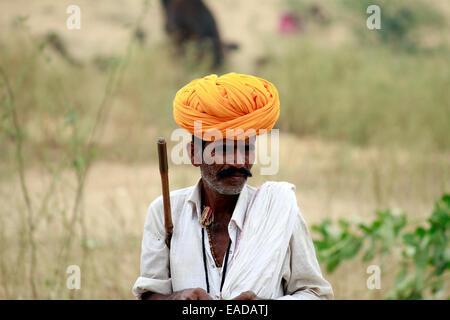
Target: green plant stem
(112, 86)
(23, 185)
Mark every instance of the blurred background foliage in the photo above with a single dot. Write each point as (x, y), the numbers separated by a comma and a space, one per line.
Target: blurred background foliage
(425, 251)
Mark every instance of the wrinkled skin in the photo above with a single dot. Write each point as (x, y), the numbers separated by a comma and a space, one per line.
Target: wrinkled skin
(229, 176)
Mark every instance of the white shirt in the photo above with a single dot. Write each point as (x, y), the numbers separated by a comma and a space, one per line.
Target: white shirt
(165, 272)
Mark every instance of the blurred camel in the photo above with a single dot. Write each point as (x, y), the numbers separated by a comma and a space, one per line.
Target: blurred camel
(191, 20)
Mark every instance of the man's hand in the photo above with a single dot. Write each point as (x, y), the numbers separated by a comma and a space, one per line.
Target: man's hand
(247, 295)
(190, 294)
(187, 294)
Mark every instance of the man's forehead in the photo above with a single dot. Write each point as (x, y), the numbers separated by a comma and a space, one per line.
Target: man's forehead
(232, 142)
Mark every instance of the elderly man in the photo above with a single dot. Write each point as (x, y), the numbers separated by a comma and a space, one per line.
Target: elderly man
(230, 240)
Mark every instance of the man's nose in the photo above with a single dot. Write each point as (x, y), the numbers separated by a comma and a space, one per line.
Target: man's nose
(236, 156)
(239, 158)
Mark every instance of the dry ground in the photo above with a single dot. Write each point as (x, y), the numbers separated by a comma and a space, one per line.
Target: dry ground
(332, 180)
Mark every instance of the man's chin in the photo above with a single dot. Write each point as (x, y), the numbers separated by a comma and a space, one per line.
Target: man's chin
(231, 185)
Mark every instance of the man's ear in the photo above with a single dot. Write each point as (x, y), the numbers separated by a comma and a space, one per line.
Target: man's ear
(194, 152)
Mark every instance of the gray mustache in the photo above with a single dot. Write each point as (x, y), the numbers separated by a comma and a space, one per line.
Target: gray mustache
(232, 170)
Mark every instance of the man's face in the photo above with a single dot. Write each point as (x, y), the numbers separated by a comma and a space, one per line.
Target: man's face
(230, 164)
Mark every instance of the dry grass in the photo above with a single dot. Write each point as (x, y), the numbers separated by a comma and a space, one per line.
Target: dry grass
(333, 180)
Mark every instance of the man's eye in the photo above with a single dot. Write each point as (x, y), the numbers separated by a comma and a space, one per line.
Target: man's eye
(228, 149)
(249, 148)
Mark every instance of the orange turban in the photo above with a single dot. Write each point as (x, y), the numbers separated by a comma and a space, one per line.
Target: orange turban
(232, 101)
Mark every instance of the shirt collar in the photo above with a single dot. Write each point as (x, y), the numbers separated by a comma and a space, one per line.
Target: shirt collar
(239, 210)
(195, 197)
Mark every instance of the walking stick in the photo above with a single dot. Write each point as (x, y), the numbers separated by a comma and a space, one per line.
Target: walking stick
(164, 170)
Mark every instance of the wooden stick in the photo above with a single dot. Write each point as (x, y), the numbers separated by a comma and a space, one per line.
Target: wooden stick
(164, 170)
